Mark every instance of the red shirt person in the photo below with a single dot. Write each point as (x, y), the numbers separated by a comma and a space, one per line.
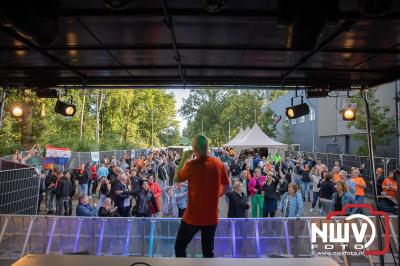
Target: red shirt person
(207, 182)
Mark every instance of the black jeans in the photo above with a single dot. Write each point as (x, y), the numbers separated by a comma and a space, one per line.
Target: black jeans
(186, 233)
(181, 212)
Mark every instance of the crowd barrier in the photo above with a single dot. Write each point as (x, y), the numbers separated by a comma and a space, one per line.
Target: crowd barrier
(19, 190)
(155, 237)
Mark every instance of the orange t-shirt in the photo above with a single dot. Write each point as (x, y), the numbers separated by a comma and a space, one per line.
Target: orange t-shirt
(358, 180)
(336, 178)
(206, 178)
(390, 192)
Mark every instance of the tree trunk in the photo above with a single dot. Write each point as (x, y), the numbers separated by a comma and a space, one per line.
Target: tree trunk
(2, 103)
(26, 127)
(82, 112)
(99, 101)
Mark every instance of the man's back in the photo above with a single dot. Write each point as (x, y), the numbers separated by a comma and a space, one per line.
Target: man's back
(206, 176)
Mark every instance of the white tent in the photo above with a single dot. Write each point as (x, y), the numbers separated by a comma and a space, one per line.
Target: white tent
(235, 138)
(256, 138)
(239, 137)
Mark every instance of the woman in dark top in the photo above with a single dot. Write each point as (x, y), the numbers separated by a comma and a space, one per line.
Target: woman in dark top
(270, 195)
(327, 188)
(238, 203)
(342, 197)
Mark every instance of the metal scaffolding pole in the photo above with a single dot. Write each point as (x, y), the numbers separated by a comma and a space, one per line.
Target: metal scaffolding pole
(364, 94)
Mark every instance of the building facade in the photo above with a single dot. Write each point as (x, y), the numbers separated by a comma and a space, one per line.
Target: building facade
(323, 129)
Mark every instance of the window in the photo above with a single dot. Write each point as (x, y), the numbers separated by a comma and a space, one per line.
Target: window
(302, 119)
(294, 121)
(312, 114)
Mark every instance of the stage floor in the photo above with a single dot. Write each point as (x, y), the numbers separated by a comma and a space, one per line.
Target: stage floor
(82, 260)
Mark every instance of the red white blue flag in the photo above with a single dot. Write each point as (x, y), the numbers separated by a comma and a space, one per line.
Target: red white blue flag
(59, 156)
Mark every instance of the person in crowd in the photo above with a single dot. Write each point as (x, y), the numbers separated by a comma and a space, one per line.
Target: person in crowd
(244, 179)
(315, 179)
(270, 196)
(305, 183)
(136, 181)
(120, 194)
(42, 189)
(256, 198)
(350, 185)
(284, 183)
(103, 190)
(291, 204)
(156, 189)
(208, 180)
(145, 201)
(171, 167)
(50, 182)
(320, 166)
(238, 203)
(169, 207)
(113, 173)
(389, 185)
(297, 171)
(336, 174)
(106, 209)
(341, 197)
(277, 160)
(82, 176)
(84, 208)
(181, 197)
(380, 177)
(163, 173)
(360, 186)
(94, 178)
(102, 171)
(63, 192)
(235, 170)
(326, 190)
(337, 165)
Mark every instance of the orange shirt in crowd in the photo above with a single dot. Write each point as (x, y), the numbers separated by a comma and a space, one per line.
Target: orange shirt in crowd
(336, 178)
(359, 181)
(206, 180)
(392, 192)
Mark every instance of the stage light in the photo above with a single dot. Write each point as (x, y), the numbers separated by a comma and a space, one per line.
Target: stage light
(214, 6)
(349, 113)
(17, 109)
(297, 111)
(65, 109)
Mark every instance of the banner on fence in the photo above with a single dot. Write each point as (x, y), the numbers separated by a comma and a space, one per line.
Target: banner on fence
(95, 156)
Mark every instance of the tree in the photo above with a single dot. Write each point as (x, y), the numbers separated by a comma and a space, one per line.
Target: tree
(382, 125)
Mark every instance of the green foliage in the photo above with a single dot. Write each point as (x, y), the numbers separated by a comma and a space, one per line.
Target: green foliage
(125, 121)
(287, 134)
(382, 125)
(211, 110)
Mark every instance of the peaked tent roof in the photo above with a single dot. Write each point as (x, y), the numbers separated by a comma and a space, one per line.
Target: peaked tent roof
(257, 138)
(237, 140)
(238, 135)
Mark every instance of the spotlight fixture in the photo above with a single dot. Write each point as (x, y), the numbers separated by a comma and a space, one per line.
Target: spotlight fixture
(296, 111)
(65, 109)
(214, 6)
(17, 109)
(349, 113)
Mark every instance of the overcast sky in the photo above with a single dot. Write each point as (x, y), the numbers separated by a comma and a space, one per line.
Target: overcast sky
(180, 94)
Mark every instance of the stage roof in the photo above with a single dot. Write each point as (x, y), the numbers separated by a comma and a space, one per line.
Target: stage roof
(181, 43)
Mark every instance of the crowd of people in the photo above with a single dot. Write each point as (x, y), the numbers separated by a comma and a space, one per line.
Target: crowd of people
(260, 186)
(270, 184)
(141, 188)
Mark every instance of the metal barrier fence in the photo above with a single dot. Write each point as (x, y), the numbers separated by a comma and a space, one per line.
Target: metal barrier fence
(155, 237)
(19, 191)
(78, 158)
